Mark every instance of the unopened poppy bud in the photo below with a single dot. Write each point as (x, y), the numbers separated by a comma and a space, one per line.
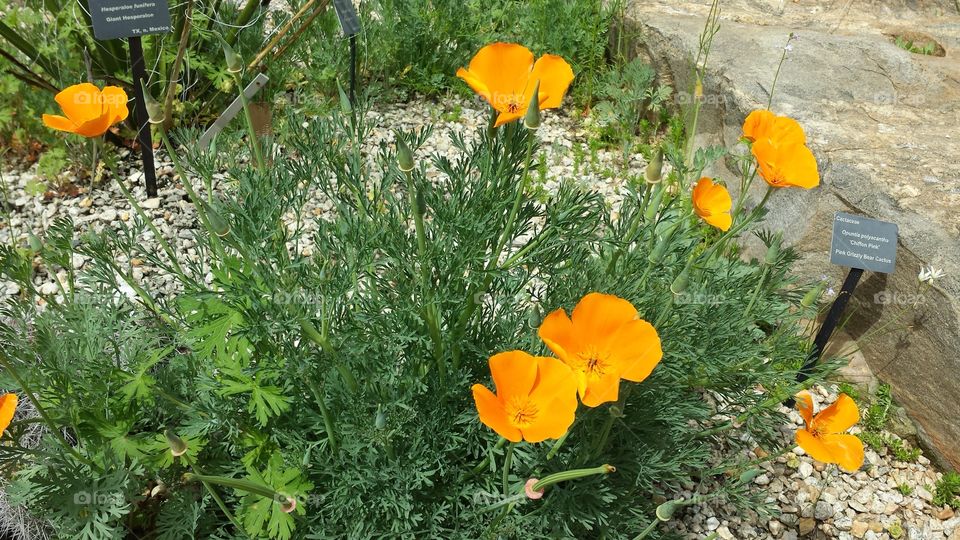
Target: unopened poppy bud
(531, 120)
(747, 476)
(218, 225)
(345, 106)
(177, 445)
(679, 284)
(812, 295)
(234, 63)
(773, 252)
(654, 171)
(381, 419)
(404, 156)
(666, 510)
(154, 109)
(34, 243)
(654, 206)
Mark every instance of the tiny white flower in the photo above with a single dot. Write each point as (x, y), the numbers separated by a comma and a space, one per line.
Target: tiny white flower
(929, 274)
(831, 293)
(788, 48)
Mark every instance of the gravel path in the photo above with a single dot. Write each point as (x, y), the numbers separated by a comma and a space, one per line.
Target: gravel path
(814, 501)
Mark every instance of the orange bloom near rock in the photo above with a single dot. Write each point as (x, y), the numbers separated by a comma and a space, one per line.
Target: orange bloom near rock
(88, 111)
(824, 437)
(712, 203)
(504, 74)
(8, 406)
(780, 148)
(536, 397)
(603, 342)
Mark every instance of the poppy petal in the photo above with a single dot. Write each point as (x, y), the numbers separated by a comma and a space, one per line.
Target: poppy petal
(597, 316)
(757, 124)
(804, 404)
(80, 102)
(847, 451)
(8, 406)
(555, 397)
(476, 84)
(94, 128)
(636, 349)
(717, 199)
(492, 413)
(814, 447)
(840, 416)
(556, 331)
(59, 123)
(507, 117)
(115, 103)
(800, 167)
(602, 390)
(504, 68)
(555, 76)
(514, 373)
(721, 221)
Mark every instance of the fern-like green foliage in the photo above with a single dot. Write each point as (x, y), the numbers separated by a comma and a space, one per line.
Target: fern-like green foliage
(342, 378)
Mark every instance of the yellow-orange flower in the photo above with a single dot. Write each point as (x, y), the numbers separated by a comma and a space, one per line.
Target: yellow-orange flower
(603, 342)
(712, 203)
(505, 75)
(536, 397)
(780, 148)
(824, 438)
(8, 405)
(88, 110)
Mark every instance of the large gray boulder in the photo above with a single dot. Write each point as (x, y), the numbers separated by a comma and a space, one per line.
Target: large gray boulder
(884, 124)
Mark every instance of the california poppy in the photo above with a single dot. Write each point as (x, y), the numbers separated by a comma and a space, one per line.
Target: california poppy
(89, 111)
(603, 342)
(8, 405)
(536, 397)
(780, 148)
(786, 165)
(824, 438)
(712, 203)
(505, 75)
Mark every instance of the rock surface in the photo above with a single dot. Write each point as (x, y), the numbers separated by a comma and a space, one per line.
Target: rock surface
(882, 122)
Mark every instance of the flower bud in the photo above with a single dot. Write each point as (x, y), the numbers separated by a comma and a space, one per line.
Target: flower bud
(34, 243)
(234, 63)
(773, 251)
(381, 419)
(747, 476)
(654, 171)
(531, 120)
(679, 284)
(666, 510)
(218, 225)
(421, 203)
(654, 205)
(177, 445)
(404, 156)
(812, 296)
(345, 106)
(154, 109)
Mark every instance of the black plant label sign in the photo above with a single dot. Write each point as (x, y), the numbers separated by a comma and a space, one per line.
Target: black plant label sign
(349, 21)
(114, 19)
(864, 243)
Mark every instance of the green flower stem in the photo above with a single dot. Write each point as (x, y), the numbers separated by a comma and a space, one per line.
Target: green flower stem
(559, 443)
(430, 315)
(572, 474)
(327, 419)
(648, 530)
(776, 76)
(156, 233)
(321, 340)
(5, 364)
(740, 226)
(775, 399)
(495, 256)
(142, 294)
(486, 459)
(756, 290)
(507, 463)
(237, 483)
(251, 132)
(216, 497)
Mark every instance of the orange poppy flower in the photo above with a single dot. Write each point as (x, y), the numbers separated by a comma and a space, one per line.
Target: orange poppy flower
(824, 438)
(536, 397)
(712, 203)
(505, 75)
(603, 342)
(8, 406)
(786, 165)
(764, 124)
(89, 111)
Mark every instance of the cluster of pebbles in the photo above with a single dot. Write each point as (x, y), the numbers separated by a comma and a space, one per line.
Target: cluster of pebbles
(886, 499)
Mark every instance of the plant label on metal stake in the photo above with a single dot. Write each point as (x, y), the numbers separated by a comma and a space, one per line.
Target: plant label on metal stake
(232, 110)
(347, 14)
(132, 19)
(859, 243)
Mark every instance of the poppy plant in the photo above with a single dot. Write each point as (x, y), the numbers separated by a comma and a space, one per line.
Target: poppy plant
(824, 439)
(505, 75)
(712, 203)
(536, 397)
(604, 341)
(8, 405)
(88, 111)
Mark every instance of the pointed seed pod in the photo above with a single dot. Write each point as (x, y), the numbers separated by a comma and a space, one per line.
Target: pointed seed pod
(531, 120)
(177, 445)
(404, 156)
(654, 171)
(234, 63)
